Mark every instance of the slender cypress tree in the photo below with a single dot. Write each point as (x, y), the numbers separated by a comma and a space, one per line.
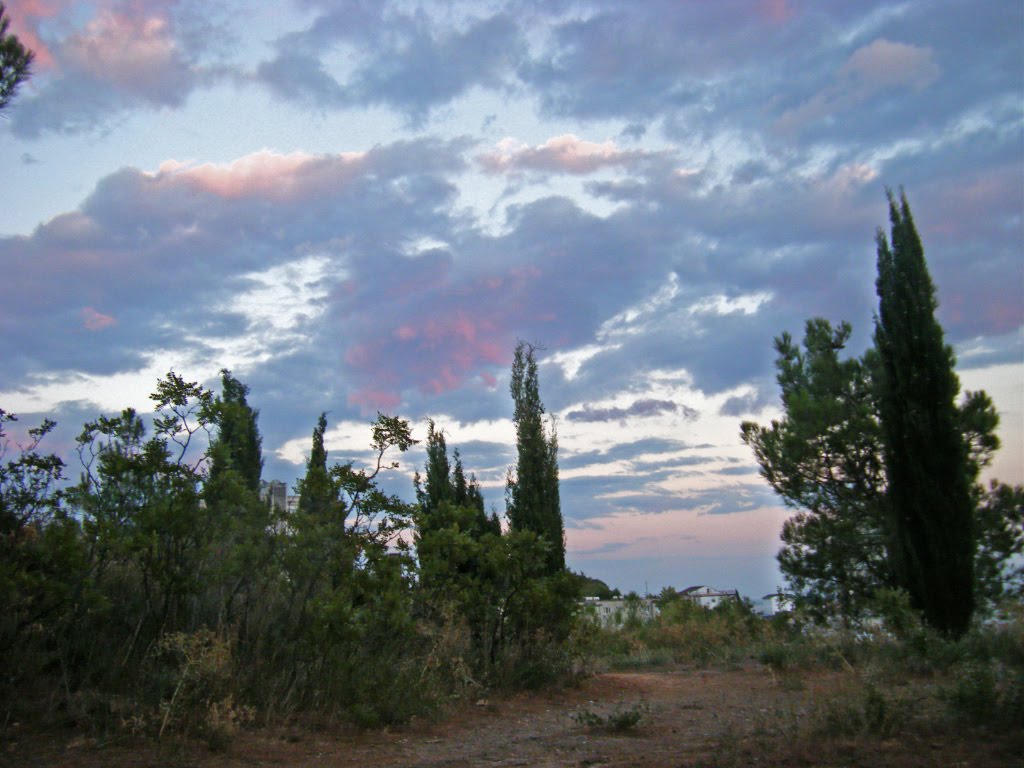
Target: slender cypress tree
(532, 494)
(933, 542)
(315, 494)
(239, 445)
(437, 485)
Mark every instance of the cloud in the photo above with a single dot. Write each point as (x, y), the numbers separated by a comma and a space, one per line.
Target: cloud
(25, 18)
(96, 321)
(266, 174)
(119, 60)
(410, 62)
(874, 68)
(134, 53)
(166, 252)
(885, 64)
(640, 409)
(749, 403)
(561, 154)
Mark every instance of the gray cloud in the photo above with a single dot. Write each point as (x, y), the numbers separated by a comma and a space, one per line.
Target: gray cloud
(639, 409)
(405, 62)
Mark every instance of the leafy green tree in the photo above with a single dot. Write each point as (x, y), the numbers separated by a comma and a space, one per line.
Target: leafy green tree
(436, 486)
(1000, 527)
(42, 561)
(532, 495)
(824, 458)
(590, 586)
(933, 540)
(15, 61)
(139, 498)
(346, 592)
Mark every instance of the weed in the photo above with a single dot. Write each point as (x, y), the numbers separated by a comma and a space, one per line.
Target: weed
(866, 712)
(987, 693)
(622, 719)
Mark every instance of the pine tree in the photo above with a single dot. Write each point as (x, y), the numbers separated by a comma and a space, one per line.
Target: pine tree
(933, 541)
(15, 61)
(532, 496)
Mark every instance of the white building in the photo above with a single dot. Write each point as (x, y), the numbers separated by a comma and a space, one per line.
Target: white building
(620, 610)
(709, 597)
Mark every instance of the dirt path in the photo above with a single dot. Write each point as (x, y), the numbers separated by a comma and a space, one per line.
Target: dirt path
(693, 718)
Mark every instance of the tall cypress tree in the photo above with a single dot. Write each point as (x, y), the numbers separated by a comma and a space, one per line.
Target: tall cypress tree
(933, 541)
(315, 493)
(436, 486)
(532, 494)
(445, 487)
(239, 445)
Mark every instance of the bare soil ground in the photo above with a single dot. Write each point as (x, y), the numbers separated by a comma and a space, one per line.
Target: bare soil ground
(732, 717)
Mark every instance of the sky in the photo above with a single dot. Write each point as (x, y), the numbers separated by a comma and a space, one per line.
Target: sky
(362, 206)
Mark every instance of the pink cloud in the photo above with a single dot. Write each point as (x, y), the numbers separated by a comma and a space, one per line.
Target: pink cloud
(265, 174)
(359, 355)
(442, 353)
(883, 63)
(96, 321)
(561, 154)
(445, 380)
(131, 50)
(372, 399)
(872, 68)
(776, 11)
(25, 17)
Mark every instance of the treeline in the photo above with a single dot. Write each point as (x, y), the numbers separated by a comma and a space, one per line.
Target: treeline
(159, 592)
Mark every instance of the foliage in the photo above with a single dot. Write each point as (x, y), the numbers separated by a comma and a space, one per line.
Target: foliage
(15, 61)
(868, 712)
(933, 542)
(589, 586)
(826, 459)
(159, 594)
(41, 556)
(683, 632)
(999, 522)
(532, 491)
(238, 446)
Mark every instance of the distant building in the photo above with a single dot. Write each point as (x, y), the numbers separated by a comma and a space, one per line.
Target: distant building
(709, 597)
(274, 490)
(277, 492)
(620, 610)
